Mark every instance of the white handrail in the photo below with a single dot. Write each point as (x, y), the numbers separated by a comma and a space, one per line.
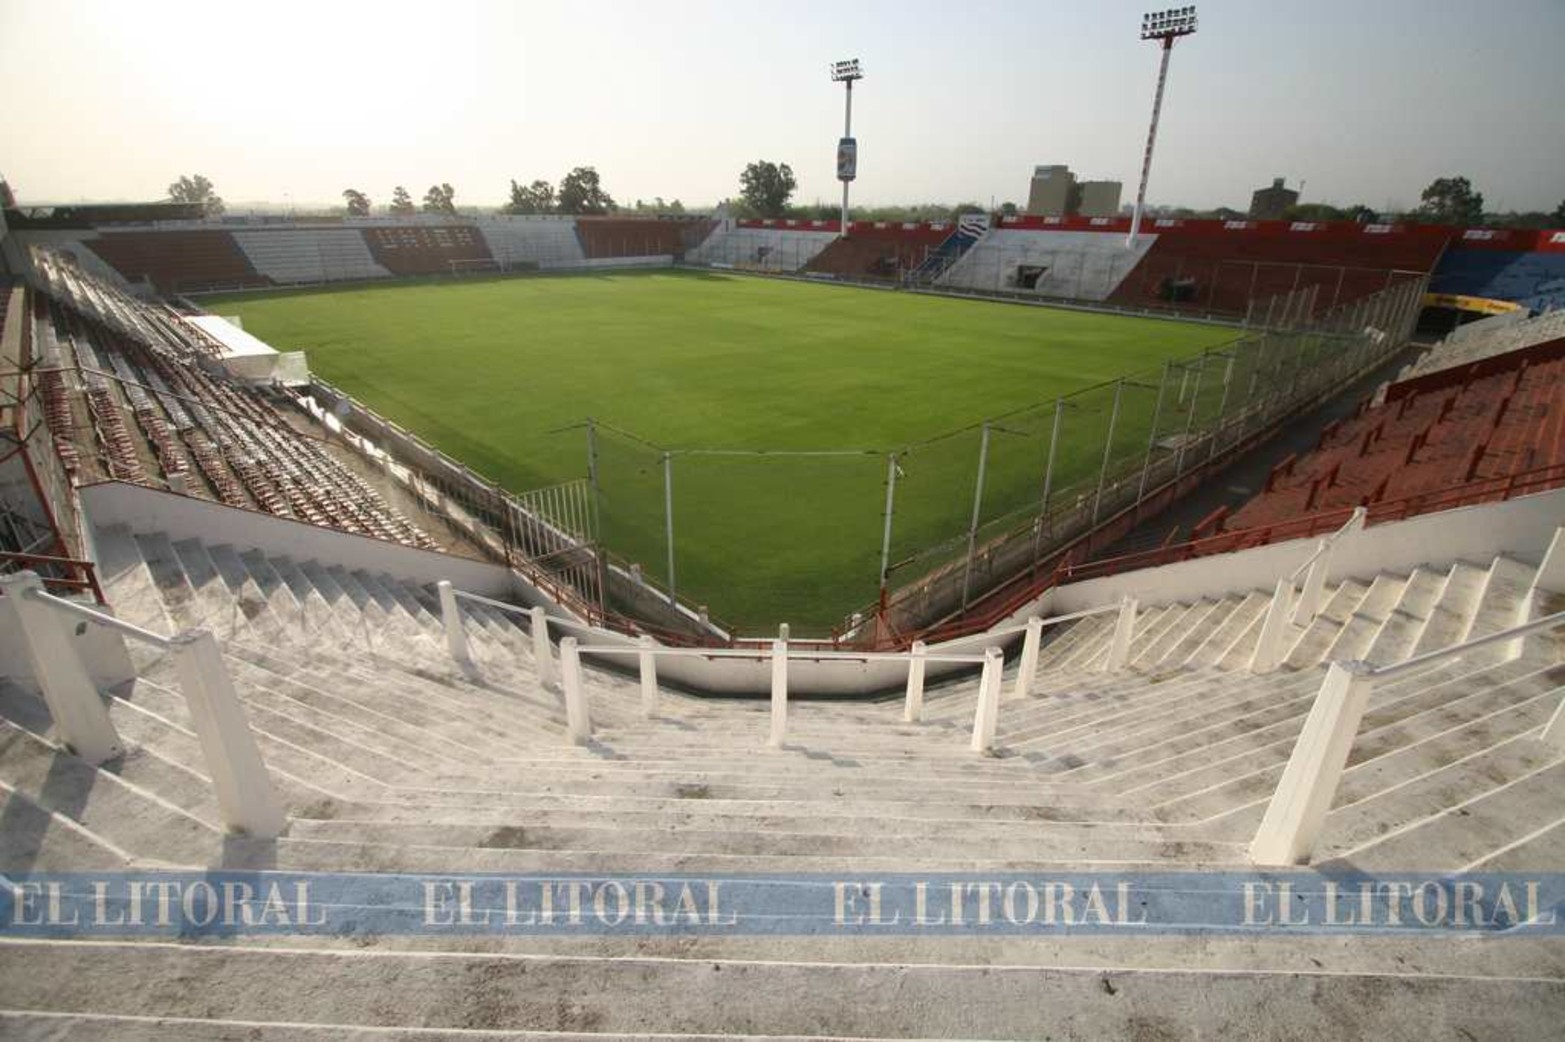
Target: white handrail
(245, 797)
(1353, 523)
(1297, 810)
(1011, 631)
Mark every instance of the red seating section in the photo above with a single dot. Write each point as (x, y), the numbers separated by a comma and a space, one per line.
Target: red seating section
(178, 261)
(427, 249)
(638, 237)
(882, 251)
(1231, 268)
(1497, 419)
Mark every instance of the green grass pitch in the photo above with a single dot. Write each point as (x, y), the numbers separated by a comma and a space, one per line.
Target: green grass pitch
(486, 368)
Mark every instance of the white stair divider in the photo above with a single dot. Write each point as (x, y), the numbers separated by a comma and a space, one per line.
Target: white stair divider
(987, 716)
(1029, 660)
(1124, 631)
(1309, 782)
(649, 676)
(78, 710)
(1269, 648)
(244, 788)
(542, 652)
(451, 621)
(578, 719)
(779, 693)
(913, 703)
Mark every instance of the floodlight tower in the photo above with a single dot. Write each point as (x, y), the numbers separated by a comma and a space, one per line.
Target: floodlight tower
(1165, 26)
(845, 72)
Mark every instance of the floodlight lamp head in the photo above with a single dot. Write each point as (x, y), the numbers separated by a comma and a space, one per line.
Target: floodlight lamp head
(846, 71)
(1166, 25)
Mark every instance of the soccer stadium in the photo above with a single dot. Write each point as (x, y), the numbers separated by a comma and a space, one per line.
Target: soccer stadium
(1030, 623)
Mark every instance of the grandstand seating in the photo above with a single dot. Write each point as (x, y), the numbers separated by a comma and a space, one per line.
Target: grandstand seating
(306, 254)
(243, 447)
(763, 246)
(1460, 348)
(1226, 269)
(1487, 422)
(178, 261)
(1072, 264)
(603, 237)
(547, 241)
(880, 250)
(424, 249)
(1536, 280)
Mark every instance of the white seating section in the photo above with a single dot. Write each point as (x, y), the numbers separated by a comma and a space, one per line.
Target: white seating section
(548, 242)
(1464, 350)
(305, 255)
(761, 249)
(1080, 265)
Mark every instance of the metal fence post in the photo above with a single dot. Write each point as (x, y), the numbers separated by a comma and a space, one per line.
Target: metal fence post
(245, 796)
(543, 654)
(913, 703)
(978, 503)
(1152, 437)
(73, 699)
(1195, 400)
(668, 522)
(1308, 784)
(987, 715)
(1028, 664)
(451, 619)
(1108, 450)
(779, 694)
(1268, 650)
(891, 503)
(1124, 632)
(578, 719)
(649, 676)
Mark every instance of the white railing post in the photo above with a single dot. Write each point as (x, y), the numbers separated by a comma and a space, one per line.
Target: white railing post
(986, 717)
(913, 704)
(779, 694)
(451, 619)
(245, 796)
(1124, 631)
(1308, 606)
(1268, 650)
(578, 720)
(1031, 644)
(73, 699)
(1309, 782)
(649, 676)
(543, 653)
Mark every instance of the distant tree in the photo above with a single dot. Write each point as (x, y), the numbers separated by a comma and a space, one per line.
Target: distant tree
(1314, 212)
(582, 192)
(537, 197)
(1358, 213)
(766, 187)
(440, 199)
(196, 189)
(675, 206)
(358, 202)
(8, 197)
(401, 203)
(1008, 210)
(1559, 213)
(1451, 200)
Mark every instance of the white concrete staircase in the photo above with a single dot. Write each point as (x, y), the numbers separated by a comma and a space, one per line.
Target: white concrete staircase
(390, 758)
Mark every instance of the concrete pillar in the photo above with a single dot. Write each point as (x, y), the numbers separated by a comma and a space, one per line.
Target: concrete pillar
(1308, 606)
(543, 653)
(987, 716)
(245, 796)
(779, 694)
(913, 705)
(1269, 649)
(1309, 782)
(1124, 631)
(1031, 645)
(74, 702)
(649, 677)
(578, 720)
(451, 620)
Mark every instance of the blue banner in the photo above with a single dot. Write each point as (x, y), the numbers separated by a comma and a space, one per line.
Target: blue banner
(228, 903)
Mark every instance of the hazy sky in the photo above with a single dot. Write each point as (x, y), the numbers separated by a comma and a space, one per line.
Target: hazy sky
(1366, 101)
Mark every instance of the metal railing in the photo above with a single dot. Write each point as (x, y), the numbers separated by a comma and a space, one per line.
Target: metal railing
(78, 575)
(1299, 605)
(1297, 810)
(245, 796)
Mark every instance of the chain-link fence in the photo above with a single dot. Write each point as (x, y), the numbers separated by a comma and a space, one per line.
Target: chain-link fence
(769, 537)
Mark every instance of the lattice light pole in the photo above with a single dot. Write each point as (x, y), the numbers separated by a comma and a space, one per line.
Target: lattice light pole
(845, 73)
(1165, 26)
